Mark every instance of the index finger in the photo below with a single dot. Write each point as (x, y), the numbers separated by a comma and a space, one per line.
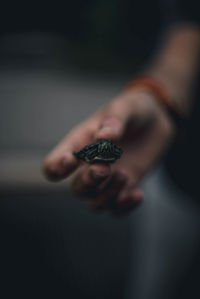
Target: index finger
(61, 162)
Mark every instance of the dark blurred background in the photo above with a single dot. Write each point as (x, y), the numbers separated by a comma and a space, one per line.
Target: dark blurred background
(58, 63)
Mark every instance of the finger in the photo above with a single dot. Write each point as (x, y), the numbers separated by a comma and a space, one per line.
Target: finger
(130, 196)
(109, 191)
(110, 128)
(57, 168)
(61, 162)
(126, 204)
(88, 179)
(116, 117)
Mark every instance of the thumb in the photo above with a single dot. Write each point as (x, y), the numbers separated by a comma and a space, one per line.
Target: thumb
(114, 121)
(110, 128)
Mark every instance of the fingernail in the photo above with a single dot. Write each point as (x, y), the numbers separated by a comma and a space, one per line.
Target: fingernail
(110, 128)
(106, 131)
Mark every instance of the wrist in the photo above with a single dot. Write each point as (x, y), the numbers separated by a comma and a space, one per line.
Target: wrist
(161, 95)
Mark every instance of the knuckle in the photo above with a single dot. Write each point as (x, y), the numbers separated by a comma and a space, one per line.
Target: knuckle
(50, 171)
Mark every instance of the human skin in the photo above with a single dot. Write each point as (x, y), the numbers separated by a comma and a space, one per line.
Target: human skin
(137, 122)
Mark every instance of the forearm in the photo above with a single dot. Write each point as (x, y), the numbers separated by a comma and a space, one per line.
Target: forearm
(176, 64)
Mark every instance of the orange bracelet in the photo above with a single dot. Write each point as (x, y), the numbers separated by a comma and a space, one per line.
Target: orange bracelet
(162, 96)
(155, 87)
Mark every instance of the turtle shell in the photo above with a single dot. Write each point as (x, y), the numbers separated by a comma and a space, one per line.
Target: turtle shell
(103, 150)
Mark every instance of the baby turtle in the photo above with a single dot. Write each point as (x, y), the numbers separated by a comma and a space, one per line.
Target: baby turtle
(104, 150)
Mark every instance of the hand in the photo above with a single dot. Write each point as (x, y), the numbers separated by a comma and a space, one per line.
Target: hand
(140, 126)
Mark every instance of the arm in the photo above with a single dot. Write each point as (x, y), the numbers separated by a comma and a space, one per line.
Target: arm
(177, 63)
